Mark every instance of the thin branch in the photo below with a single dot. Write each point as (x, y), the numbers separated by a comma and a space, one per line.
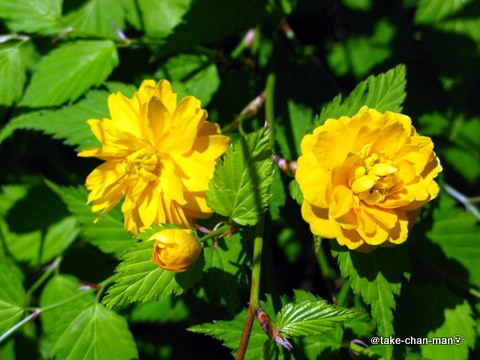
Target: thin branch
(18, 325)
(254, 290)
(467, 202)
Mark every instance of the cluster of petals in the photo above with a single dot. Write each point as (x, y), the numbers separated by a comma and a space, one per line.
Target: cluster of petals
(364, 178)
(159, 155)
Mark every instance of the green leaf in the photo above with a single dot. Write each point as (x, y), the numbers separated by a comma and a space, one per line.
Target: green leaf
(279, 197)
(7, 350)
(465, 148)
(230, 332)
(12, 73)
(59, 288)
(34, 225)
(458, 321)
(377, 277)
(69, 123)
(241, 182)
(448, 316)
(225, 270)
(295, 191)
(314, 346)
(132, 13)
(160, 17)
(195, 73)
(126, 89)
(384, 92)
(161, 311)
(68, 71)
(457, 233)
(311, 317)
(32, 16)
(108, 234)
(95, 333)
(359, 54)
(207, 21)
(450, 15)
(97, 17)
(12, 296)
(139, 279)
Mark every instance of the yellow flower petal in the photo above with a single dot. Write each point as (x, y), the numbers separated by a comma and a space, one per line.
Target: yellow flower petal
(365, 178)
(159, 156)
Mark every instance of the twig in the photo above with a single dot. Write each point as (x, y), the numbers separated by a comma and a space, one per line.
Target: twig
(18, 325)
(467, 202)
(254, 290)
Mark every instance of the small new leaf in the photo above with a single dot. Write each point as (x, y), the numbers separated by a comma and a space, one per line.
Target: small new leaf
(139, 279)
(309, 317)
(241, 182)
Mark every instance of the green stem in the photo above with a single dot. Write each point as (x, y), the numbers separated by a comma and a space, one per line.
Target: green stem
(327, 271)
(217, 232)
(19, 325)
(50, 269)
(254, 290)
(104, 284)
(343, 293)
(270, 107)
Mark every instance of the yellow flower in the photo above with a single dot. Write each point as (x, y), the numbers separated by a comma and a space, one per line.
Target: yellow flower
(364, 178)
(159, 156)
(175, 249)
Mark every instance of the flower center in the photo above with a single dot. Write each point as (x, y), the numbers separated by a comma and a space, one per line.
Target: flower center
(374, 179)
(143, 163)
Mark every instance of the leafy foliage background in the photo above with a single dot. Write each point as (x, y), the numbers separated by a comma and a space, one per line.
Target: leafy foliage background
(60, 60)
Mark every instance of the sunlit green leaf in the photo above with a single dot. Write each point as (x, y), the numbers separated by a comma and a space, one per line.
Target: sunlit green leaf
(384, 92)
(97, 17)
(447, 317)
(34, 225)
(68, 71)
(12, 73)
(457, 232)
(95, 333)
(241, 182)
(12, 296)
(311, 317)
(108, 233)
(230, 333)
(69, 123)
(451, 15)
(139, 279)
(43, 16)
(377, 277)
(160, 17)
(59, 288)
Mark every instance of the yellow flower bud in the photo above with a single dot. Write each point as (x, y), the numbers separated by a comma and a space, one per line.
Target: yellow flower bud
(175, 249)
